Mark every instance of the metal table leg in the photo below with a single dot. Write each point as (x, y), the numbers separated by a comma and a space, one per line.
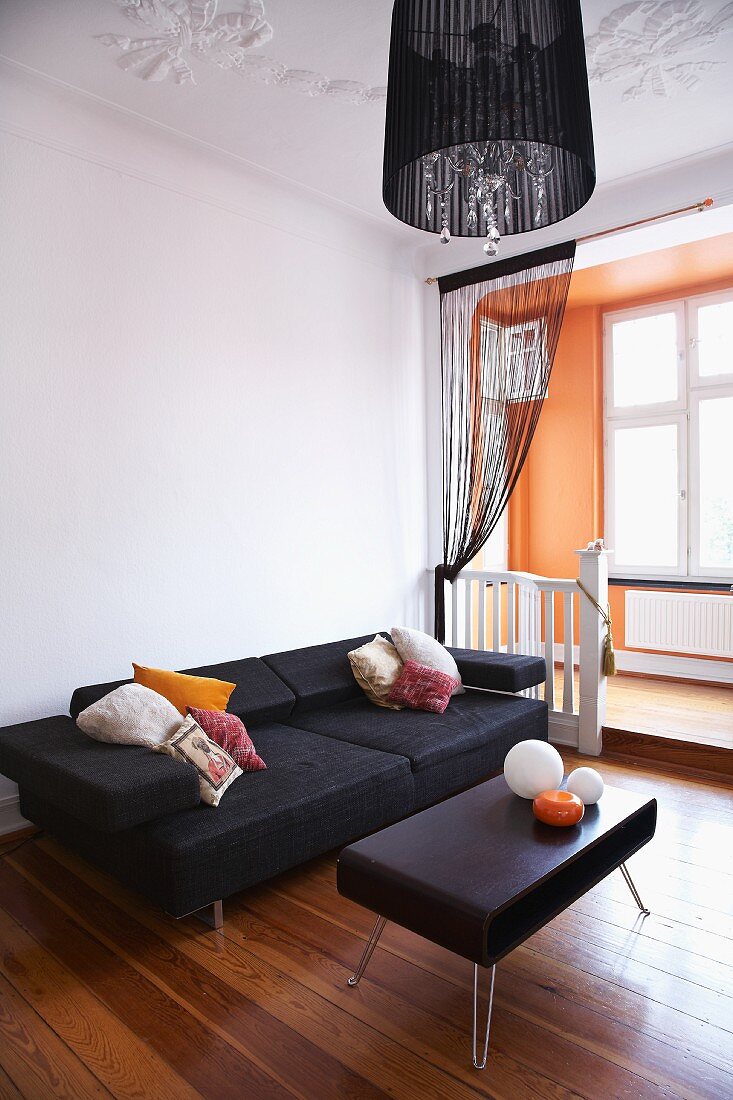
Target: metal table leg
(634, 892)
(482, 1063)
(368, 950)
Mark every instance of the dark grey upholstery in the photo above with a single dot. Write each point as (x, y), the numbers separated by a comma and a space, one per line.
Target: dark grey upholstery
(317, 793)
(109, 787)
(258, 697)
(499, 671)
(320, 674)
(337, 768)
(455, 772)
(425, 739)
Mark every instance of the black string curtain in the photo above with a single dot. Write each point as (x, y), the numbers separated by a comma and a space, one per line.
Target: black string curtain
(500, 327)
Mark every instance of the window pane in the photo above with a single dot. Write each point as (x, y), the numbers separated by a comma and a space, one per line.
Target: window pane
(646, 486)
(716, 483)
(645, 359)
(714, 337)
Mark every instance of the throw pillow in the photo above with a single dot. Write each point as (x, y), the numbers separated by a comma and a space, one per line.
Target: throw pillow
(130, 715)
(229, 732)
(414, 645)
(423, 688)
(216, 769)
(376, 667)
(185, 691)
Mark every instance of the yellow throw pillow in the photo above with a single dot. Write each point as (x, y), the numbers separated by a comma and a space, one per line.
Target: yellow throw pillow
(185, 691)
(377, 667)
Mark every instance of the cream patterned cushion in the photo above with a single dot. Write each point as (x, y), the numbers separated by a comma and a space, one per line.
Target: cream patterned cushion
(377, 666)
(414, 645)
(215, 767)
(130, 715)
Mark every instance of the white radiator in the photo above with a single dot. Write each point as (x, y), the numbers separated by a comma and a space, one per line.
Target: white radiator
(682, 622)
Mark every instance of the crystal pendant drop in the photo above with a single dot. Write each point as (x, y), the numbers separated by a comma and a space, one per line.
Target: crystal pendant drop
(445, 235)
(491, 248)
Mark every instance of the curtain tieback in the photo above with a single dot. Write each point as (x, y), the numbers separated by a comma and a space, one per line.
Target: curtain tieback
(609, 656)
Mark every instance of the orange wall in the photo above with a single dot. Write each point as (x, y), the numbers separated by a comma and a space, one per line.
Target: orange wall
(558, 503)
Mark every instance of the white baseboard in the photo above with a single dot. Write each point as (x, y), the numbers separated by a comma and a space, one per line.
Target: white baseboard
(661, 664)
(687, 668)
(10, 819)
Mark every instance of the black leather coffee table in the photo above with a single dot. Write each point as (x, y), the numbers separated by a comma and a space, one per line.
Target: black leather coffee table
(478, 874)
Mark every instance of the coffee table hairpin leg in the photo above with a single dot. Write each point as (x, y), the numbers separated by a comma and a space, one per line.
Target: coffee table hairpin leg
(634, 892)
(368, 950)
(378, 928)
(482, 1063)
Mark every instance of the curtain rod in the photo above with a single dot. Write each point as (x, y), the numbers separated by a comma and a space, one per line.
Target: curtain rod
(705, 204)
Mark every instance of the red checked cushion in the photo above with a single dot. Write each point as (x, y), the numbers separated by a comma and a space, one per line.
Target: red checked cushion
(229, 733)
(423, 688)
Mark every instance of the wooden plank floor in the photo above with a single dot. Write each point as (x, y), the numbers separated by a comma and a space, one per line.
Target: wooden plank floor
(102, 995)
(702, 713)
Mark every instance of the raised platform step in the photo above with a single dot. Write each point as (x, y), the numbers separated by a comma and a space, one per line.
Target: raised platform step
(690, 757)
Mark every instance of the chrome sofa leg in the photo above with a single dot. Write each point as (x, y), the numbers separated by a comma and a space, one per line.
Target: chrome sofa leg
(211, 915)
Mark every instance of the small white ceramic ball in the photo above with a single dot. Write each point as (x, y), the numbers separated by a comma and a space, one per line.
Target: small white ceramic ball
(532, 767)
(587, 784)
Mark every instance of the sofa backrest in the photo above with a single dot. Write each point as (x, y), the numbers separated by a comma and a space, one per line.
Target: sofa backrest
(318, 675)
(260, 696)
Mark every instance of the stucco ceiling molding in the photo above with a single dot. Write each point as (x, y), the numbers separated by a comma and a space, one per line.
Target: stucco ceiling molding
(181, 33)
(654, 46)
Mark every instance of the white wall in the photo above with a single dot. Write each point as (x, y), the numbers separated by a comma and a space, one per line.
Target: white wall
(211, 426)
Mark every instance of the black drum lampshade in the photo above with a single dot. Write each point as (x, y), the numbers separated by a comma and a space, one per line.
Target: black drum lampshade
(488, 116)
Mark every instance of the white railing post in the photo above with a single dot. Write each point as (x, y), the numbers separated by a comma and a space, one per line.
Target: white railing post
(592, 702)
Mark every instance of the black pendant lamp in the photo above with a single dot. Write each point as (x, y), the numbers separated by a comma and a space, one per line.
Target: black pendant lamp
(488, 117)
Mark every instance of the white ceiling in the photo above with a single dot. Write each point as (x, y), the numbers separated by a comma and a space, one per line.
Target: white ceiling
(666, 91)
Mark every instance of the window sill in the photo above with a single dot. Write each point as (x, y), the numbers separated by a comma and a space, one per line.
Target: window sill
(672, 582)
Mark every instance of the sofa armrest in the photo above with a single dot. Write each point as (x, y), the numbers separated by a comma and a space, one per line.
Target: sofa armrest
(499, 671)
(109, 787)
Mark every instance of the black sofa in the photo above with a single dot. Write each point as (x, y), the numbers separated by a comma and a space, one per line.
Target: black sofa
(338, 767)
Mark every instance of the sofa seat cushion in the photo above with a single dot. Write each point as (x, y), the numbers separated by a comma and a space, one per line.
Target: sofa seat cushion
(499, 671)
(316, 794)
(108, 787)
(260, 696)
(318, 675)
(471, 720)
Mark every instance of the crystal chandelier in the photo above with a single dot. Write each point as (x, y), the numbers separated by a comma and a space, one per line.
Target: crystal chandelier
(486, 175)
(488, 117)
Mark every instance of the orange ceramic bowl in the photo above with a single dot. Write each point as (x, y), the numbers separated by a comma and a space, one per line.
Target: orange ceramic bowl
(558, 808)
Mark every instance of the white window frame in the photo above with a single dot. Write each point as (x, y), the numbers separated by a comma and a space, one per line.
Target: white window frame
(679, 419)
(504, 334)
(692, 389)
(698, 395)
(693, 304)
(676, 307)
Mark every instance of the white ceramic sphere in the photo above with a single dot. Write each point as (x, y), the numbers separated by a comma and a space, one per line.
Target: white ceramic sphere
(532, 767)
(587, 784)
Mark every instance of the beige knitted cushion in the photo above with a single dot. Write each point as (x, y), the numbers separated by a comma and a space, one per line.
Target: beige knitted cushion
(130, 715)
(414, 645)
(377, 667)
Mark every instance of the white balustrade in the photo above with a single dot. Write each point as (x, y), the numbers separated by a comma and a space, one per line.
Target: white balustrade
(523, 619)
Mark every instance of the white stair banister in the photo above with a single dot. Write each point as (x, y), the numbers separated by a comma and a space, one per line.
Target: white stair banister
(592, 702)
(550, 649)
(580, 721)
